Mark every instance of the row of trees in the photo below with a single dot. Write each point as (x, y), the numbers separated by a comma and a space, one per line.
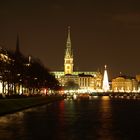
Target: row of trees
(20, 74)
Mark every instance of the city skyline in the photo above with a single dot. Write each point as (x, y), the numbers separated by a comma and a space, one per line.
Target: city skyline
(101, 33)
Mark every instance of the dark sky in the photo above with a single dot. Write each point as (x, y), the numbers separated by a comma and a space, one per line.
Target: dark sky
(102, 32)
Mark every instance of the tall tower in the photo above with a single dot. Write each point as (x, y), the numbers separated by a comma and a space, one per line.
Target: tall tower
(105, 81)
(68, 59)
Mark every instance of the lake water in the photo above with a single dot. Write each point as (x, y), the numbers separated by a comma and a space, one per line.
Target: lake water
(96, 118)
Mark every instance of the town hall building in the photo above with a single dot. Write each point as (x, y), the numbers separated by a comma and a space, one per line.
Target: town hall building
(88, 81)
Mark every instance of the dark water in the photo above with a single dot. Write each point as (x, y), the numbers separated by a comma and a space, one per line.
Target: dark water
(94, 119)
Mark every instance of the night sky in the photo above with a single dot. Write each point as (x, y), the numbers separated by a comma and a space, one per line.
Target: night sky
(102, 32)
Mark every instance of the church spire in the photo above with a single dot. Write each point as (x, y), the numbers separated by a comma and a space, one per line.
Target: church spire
(68, 39)
(68, 59)
(68, 45)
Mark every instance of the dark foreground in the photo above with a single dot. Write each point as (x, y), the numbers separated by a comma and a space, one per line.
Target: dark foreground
(84, 119)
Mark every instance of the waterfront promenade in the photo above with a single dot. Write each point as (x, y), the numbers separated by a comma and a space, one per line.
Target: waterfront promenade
(8, 105)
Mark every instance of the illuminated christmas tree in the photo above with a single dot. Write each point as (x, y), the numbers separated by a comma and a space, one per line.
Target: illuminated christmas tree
(105, 81)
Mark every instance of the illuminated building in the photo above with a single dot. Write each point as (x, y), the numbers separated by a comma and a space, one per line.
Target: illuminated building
(138, 77)
(124, 83)
(87, 80)
(5, 60)
(105, 81)
(4, 56)
(68, 60)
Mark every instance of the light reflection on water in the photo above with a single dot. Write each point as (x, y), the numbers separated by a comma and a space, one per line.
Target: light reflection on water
(10, 124)
(100, 118)
(105, 118)
(11, 118)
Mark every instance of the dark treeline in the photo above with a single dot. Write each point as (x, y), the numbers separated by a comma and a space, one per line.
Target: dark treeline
(23, 75)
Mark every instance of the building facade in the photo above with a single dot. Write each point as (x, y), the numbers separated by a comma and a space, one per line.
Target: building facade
(124, 84)
(87, 80)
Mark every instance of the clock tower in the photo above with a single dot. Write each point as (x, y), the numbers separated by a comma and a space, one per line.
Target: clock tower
(68, 59)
